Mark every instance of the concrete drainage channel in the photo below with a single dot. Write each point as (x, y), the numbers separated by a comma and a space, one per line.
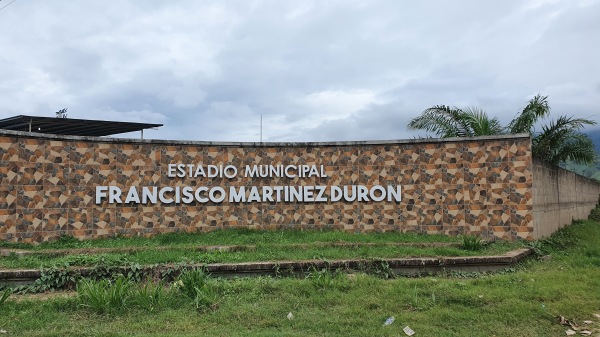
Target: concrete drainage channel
(399, 266)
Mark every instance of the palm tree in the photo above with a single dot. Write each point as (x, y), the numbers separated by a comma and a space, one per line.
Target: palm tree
(561, 141)
(446, 122)
(558, 142)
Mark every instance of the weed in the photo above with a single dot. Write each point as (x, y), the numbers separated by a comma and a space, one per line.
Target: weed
(378, 267)
(421, 301)
(134, 272)
(559, 240)
(189, 280)
(149, 296)
(381, 268)
(54, 278)
(537, 247)
(112, 269)
(171, 273)
(4, 295)
(102, 259)
(211, 257)
(104, 296)
(194, 285)
(472, 243)
(205, 298)
(281, 272)
(65, 241)
(326, 279)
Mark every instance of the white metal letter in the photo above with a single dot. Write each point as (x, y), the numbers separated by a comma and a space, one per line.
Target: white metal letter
(100, 193)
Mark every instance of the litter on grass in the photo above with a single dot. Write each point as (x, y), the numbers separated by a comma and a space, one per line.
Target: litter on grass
(389, 321)
(290, 316)
(570, 332)
(408, 331)
(563, 321)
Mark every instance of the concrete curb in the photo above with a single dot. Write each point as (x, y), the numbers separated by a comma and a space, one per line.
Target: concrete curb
(399, 266)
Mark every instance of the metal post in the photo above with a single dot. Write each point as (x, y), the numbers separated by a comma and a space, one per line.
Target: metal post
(261, 128)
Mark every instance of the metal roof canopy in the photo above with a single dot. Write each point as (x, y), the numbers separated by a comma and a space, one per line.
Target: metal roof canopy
(71, 126)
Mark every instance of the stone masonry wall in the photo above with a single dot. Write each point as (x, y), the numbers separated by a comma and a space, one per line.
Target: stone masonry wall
(449, 186)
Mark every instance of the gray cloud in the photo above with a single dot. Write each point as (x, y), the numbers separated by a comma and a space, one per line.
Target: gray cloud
(315, 70)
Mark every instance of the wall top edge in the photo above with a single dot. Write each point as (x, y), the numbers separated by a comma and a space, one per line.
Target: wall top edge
(36, 135)
(541, 162)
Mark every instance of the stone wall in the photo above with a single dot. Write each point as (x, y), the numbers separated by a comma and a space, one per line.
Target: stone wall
(449, 186)
(559, 197)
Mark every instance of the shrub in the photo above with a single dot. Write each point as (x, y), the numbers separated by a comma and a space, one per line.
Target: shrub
(595, 214)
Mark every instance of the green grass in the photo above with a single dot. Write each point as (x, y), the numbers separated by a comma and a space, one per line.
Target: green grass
(519, 302)
(267, 246)
(261, 254)
(233, 237)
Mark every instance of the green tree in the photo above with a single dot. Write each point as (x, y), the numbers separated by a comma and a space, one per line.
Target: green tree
(559, 141)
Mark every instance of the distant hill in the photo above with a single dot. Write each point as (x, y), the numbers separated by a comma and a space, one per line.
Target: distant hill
(595, 136)
(592, 171)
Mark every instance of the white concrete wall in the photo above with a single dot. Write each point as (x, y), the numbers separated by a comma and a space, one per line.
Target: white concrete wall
(559, 197)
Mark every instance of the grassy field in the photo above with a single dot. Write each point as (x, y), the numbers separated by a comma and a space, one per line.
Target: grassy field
(523, 301)
(260, 246)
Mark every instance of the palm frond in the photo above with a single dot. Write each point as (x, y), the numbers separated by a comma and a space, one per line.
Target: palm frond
(442, 120)
(536, 108)
(481, 124)
(561, 140)
(580, 149)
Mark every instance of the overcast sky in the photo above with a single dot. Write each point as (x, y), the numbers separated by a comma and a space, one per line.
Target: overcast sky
(315, 70)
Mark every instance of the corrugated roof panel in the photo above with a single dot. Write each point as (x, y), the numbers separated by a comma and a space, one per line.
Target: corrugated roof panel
(71, 126)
